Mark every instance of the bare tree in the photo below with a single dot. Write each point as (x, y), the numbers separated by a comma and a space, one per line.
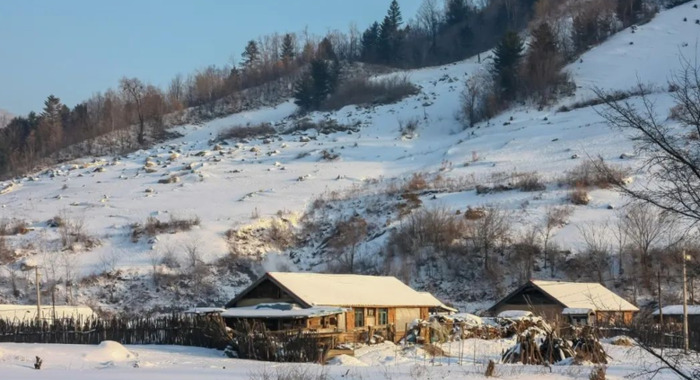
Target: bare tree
(476, 98)
(69, 273)
(554, 218)
(618, 232)
(490, 232)
(348, 235)
(176, 92)
(155, 258)
(430, 18)
(596, 251)
(134, 90)
(671, 148)
(645, 227)
(525, 251)
(196, 267)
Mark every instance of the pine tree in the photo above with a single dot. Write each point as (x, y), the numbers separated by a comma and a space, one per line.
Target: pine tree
(370, 43)
(52, 110)
(251, 55)
(322, 80)
(288, 50)
(543, 63)
(303, 92)
(506, 62)
(53, 118)
(455, 12)
(394, 15)
(316, 85)
(325, 50)
(390, 36)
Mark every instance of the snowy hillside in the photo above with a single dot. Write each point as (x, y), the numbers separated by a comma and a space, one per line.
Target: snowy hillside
(243, 185)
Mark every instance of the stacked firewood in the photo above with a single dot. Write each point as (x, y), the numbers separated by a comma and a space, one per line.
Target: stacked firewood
(588, 347)
(535, 346)
(533, 349)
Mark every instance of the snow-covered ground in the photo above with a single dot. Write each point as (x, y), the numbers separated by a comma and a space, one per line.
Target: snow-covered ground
(242, 183)
(464, 360)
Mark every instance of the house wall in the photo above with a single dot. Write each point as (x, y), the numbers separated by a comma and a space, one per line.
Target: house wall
(399, 317)
(614, 317)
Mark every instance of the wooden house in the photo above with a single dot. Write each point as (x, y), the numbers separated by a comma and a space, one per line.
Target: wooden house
(575, 303)
(350, 306)
(673, 324)
(673, 314)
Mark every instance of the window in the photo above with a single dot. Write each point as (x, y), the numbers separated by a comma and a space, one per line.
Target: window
(359, 317)
(383, 317)
(370, 312)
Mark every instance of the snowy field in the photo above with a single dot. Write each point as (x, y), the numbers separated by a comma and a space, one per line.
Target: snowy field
(240, 183)
(111, 360)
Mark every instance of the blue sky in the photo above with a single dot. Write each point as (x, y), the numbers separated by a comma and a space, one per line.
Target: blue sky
(73, 48)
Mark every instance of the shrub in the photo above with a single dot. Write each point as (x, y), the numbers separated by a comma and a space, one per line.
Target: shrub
(73, 234)
(529, 182)
(596, 173)
(613, 96)
(579, 196)
(169, 180)
(474, 213)
(324, 127)
(408, 128)
(329, 156)
(248, 132)
(154, 226)
(364, 91)
(417, 182)
(13, 227)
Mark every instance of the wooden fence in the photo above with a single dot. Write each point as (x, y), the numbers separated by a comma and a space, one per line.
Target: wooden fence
(654, 335)
(186, 330)
(252, 340)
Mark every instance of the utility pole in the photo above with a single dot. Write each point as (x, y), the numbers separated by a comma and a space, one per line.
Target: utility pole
(661, 312)
(38, 295)
(686, 343)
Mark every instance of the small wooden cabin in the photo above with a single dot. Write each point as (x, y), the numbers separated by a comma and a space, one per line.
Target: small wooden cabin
(575, 303)
(350, 305)
(673, 314)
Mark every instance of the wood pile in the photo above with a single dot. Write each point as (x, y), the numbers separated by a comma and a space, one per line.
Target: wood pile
(588, 347)
(535, 347)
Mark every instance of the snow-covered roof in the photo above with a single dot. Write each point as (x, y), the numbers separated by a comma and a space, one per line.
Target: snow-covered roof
(678, 310)
(280, 310)
(28, 312)
(584, 295)
(431, 298)
(469, 319)
(576, 311)
(204, 310)
(515, 314)
(316, 289)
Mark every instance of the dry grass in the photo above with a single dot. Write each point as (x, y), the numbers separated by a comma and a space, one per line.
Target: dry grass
(73, 233)
(418, 182)
(529, 182)
(579, 196)
(154, 226)
(324, 127)
(329, 155)
(595, 173)
(366, 92)
(248, 132)
(10, 227)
